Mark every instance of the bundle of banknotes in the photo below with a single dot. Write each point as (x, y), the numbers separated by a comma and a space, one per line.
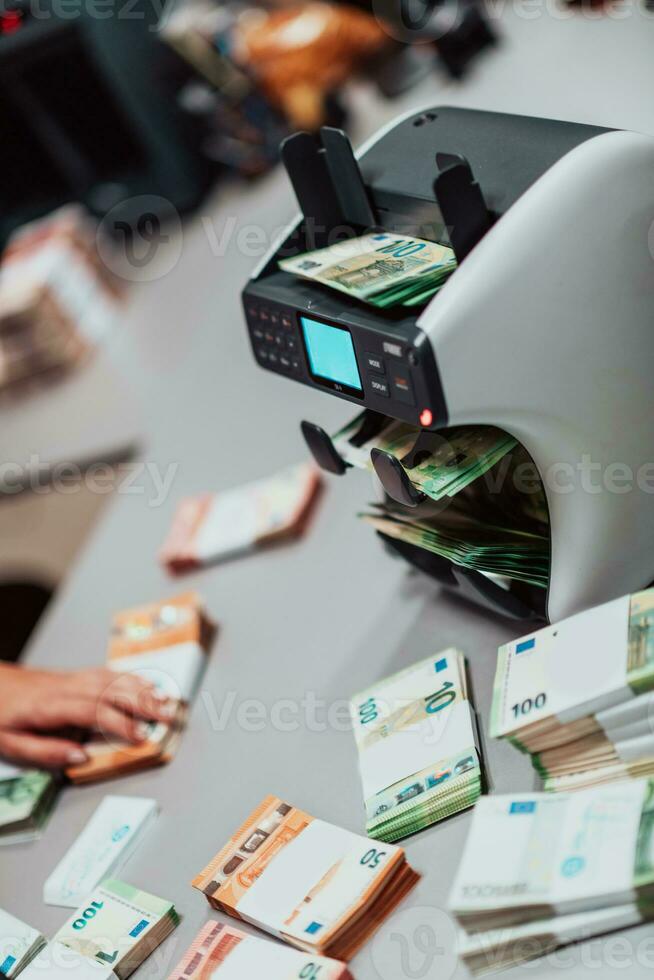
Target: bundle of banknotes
(222, 950)
(165, 642)
(477, 514)
(318, 887)
(110, 836)
(19, 943)
(26, 800)
(212, 527)
(114, 930)
(380, 268)
(577, 696)
(419, 757)
(540, 870)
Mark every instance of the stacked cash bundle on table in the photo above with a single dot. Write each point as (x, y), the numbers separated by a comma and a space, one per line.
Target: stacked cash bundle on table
(577, 696)
(320, 888)
(475, 515)
(419, 758)
(381, 269)
(114, 930)
(216, 526)
(26, 800)
(19, 943)
(166, 643)
(541, 870)
(222, 950)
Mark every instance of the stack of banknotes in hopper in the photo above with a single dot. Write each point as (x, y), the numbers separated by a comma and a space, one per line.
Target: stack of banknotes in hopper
(380, 268)
(320, 888)
(419, 758)
(167, 643)
(577, 696)
(19, 943)
(26, 800)
(540, 871)
(476, 514)
(217, 526)
(115, 929)
(223, 951)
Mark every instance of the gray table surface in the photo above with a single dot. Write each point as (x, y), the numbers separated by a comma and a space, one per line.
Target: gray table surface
(317, 619)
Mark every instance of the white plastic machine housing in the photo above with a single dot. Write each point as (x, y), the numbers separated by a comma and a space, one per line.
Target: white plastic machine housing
(546, 330)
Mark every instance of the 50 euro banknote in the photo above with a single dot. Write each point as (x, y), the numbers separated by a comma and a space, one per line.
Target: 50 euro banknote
(319, 887)
(217, 526)
(166, 643)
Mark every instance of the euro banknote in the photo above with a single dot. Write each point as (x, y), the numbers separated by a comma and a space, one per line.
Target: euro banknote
(166, 643)
(318, 887)
(216, 526)
(57, 962)
(416, 736)
(381, 268)
(103, 846)
(458, 457)
(222, 950)
(118, 926)
(499, 949)
(19, 943)
(551, 685)
(533, 856)
(26, 800)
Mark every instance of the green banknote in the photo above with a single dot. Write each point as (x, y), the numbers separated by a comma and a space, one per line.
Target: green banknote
(417, 742)
(26, 799)
(119, 926)
(381, 268)
(459, 455)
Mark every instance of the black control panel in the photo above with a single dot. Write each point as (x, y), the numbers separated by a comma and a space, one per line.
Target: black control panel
(388, 367)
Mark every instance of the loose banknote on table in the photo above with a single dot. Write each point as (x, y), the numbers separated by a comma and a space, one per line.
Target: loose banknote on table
(227, 953)
(320, 888)
(118, 926)
(26, 800)
(19, 943)
(167, 643)
(419, 758)
(578, 695)
(103, 846)
(539, 868)
(217, 526)
(380, 268)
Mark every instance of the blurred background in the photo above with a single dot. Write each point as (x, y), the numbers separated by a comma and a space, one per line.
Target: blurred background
(140, 139)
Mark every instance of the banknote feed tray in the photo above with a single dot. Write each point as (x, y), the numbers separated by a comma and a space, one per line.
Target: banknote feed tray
(549, 221)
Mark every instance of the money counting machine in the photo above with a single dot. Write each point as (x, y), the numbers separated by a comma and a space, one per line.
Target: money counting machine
(545, 330)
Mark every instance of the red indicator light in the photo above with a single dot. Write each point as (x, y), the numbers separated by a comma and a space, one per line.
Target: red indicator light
(426, 417)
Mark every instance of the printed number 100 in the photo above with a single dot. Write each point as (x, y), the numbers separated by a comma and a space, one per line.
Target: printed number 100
(526, 706)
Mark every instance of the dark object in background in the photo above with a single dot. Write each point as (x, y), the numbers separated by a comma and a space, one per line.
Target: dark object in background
(22, 604)
(459, 29)
(87, 116)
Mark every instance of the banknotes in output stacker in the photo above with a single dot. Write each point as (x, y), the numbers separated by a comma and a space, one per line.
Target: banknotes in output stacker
(578, 696)
(222, 950)
(380, 268)
(320, 888)
(416, 735)
(212, 527)
(540, 870)
(27, 797)
(167, 643)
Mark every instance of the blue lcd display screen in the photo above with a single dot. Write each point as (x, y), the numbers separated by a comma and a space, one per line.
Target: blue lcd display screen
(331, 356)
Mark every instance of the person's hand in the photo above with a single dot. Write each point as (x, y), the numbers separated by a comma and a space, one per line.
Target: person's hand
(35, 705)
